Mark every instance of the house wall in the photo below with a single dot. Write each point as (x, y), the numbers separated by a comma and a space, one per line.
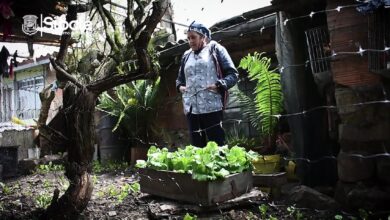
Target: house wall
(358, 113)
(363, 129)
(10, 104)
(23, 110)
(171, 117)
(23, 137)
(47, 72)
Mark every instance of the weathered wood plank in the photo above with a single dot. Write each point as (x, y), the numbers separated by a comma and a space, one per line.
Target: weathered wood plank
(182, 187)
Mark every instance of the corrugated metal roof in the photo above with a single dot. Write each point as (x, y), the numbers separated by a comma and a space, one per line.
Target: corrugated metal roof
(234, 37)
(31, 63)
(9, 126)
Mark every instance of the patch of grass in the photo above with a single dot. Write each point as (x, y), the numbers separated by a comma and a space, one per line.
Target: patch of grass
(126, 189)
(190, 217)
(43, 201)
(121, 193)
(272, 218)
(294, 212)
(63, 182)
(47, 168)
(46, 184)
(364, 214)
(135, 187)
(113, 191)
(109, 166)
(97, 167)
(100, 194)
(263, 210)
(6, 189)
(16, 186)
(94, 179)
(251, 216)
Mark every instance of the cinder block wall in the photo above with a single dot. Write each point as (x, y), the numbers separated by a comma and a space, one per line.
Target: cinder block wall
(23, 139)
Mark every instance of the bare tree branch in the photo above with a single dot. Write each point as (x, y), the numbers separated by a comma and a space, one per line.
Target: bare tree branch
(65, 38)
(64, 75)
(114, 26)
(99, 7)
(140, 6)
(118, 79)
(129, 27)
(109, 17)
(145, 68)
(46, 96)
(58, 135)
(92, 14)
(139, 12)
(141, 43)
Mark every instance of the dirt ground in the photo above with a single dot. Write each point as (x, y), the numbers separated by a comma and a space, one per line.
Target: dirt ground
(115, 196)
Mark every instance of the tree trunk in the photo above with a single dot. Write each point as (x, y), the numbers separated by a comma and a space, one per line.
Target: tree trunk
(79, 100)
(79, 127)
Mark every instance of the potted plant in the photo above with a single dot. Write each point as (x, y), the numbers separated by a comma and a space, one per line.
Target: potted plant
(135, 106)
(262, 110)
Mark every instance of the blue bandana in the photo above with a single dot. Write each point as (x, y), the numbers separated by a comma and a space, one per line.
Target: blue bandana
(200, 28)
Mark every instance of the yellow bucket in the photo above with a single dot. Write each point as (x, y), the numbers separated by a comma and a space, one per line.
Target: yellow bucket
(290, 170)
(266, 164)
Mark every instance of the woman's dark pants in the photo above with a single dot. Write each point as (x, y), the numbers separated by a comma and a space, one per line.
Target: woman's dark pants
(206, 127)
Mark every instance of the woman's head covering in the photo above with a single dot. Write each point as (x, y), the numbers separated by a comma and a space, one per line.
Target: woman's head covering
(200, 28)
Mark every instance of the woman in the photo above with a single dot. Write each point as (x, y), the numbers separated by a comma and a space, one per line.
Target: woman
(205, 75)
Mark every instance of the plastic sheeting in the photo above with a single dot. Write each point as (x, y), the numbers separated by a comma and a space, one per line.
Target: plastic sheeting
(373, 5)
(309, 130)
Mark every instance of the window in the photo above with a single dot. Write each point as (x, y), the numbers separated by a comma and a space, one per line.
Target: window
(379, 39)
(318, 46)
(28, 102)
(319, 51)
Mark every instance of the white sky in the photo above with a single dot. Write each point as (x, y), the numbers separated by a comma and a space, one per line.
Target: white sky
(210, 12)
(207, 12)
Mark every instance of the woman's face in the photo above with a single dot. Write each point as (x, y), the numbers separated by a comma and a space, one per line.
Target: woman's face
(195, 40)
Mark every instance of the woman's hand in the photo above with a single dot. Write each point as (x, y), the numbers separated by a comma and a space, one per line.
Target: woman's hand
(183, 89)
(212, 88)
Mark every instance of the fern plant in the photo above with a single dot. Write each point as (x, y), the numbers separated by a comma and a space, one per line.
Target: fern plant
(267, 102)
(135, 106)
